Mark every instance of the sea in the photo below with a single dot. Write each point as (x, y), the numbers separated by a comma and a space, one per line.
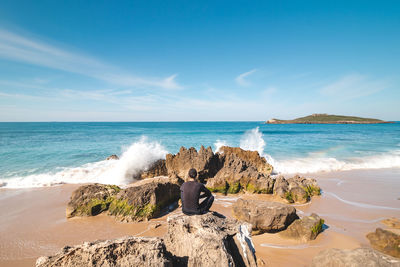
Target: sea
(50, 153)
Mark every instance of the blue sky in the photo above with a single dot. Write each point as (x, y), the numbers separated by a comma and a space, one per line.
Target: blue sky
(198, 60)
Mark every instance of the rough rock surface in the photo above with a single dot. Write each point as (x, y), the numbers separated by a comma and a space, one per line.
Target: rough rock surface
(281, 186)
(360, 257)
(90, 200)
(297, 195)
(205, 162)
(385, 241)
(158, 168)
(241, 170)
(265, 216)
(210, 240)
(304, 229)
(144, 200)
(127, 251)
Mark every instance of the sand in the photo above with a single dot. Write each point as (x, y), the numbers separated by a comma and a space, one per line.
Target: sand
(353, 203)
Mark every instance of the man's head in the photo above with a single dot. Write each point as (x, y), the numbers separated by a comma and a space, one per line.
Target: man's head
(192, 174)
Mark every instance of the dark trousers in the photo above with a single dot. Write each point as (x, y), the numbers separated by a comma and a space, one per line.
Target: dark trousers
(205, 205)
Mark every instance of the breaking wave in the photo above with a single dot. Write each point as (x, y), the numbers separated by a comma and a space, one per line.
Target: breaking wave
(138, 156)
(253, 140)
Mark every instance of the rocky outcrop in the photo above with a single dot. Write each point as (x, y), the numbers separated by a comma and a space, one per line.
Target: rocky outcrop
(143, 200)
(158, 168)
(281, 186)
(264, 216)
(210, 240)
(205, 162)
(392, 223)
(304, 229)
(241, 170)
(385, 241)
(127, 251)
(199, 240)
(90, 200)
(359, 257)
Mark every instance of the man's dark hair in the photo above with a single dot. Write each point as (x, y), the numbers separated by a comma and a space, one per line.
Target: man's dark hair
(193, 173)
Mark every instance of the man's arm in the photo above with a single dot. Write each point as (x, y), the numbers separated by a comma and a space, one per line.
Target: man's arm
(205, 191)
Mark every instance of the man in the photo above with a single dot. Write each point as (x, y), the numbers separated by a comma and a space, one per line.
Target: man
(191, 194)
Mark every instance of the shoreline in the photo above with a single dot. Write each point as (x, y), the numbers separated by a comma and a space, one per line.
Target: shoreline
(353, 203)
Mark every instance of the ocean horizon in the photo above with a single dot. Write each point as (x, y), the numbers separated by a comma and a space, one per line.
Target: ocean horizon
(35, 154)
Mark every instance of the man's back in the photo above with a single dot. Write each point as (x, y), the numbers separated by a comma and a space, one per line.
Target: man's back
(190, 195)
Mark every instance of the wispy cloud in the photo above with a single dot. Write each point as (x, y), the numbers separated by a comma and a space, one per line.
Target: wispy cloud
(19, 48)
(241, 79)
(353, 86)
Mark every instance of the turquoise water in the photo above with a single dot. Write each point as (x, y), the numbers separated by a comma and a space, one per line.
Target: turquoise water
(36, 154)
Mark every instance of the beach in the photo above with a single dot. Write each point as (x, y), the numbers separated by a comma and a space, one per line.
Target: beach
(33, 221)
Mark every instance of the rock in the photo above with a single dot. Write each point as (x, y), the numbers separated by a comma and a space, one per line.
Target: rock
(127, 251)
(112, 157)
(392, 222)
(205, 162)
(265, 216)
(281, 186)
(304, 229)
(308, 184)
(385, 241)
(158, 168)
(90, 200)
(242, 170)
(359, 257)
(297, 195)
(144, 200)
(210, 240)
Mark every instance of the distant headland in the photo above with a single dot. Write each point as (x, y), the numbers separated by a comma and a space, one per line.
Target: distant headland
(327, 119)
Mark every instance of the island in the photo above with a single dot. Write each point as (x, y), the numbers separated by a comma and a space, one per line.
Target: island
(327, 119)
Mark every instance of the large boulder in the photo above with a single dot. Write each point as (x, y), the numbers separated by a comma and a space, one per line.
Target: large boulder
(210, 240)
(205, 162)
(304, 229)
(360, 257)
(127, 251)
(242, 170)
(385, 241)
(144, 200)
(90, 200)
(264, 216)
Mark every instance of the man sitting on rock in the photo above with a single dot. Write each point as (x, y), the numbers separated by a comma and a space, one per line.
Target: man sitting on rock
(191, 194)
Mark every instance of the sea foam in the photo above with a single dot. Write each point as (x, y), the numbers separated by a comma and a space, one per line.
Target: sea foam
(138, 156)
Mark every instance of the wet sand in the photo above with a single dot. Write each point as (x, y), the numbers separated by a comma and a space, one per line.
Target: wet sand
(33, 222)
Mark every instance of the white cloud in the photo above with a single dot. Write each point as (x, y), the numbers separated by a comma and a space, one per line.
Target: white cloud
(241, 78)
(19, 48)
(353, 86)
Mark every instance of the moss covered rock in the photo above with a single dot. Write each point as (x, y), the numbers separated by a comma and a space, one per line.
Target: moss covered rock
(90, 200)
(144, 200)
(304, 229)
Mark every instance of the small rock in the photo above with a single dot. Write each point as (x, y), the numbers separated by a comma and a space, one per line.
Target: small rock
(359, 257)
(154, 226)
(385, 241)
(304, 229)
(112, 157)
(299, 195)
(265, 216)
